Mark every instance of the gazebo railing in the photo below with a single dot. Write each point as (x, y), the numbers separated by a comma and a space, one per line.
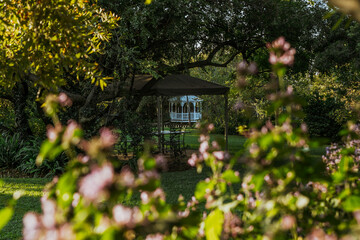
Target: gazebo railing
(184, 117)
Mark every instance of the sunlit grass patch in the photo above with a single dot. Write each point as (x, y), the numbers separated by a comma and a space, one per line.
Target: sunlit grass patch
(32, 190)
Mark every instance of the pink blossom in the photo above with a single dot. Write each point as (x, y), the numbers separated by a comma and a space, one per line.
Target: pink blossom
(64, 100)
(107, 137)
(146, 176)
(319, 234)
(49, 210)
(240, 197)
(241, 67)
(122, 215)
(83, 159)
(69, 134)
(193, 160)
(273, 59)
(220, 155)
(281, 52)
(76, 199)
(36, 227)
(288, 222)
(126, 177)
(203, 138)
(159, 193)
(92, 185)
(125, 216)
(210, 127)
(32, 227)
(52, 133)
(145, 197)
(161, 162)
(252, 68)
(204, 146)
(215, 145)
(157, 236)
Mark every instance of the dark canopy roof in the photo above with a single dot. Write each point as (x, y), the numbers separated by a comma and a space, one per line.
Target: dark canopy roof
(176, 85)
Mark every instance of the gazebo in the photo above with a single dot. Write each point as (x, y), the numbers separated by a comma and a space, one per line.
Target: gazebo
(178, 85)
(185, 109)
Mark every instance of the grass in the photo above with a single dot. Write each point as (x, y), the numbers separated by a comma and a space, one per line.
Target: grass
(30, 201)
(235, 142)
(173, 183)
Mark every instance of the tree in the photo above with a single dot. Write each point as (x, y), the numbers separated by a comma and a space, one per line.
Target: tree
(168, 37)
(44, 42)
(174, 36)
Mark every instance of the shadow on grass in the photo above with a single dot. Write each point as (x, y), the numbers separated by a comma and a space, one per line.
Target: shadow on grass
(13, 230)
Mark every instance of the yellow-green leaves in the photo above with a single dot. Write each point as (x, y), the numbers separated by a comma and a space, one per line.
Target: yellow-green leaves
(49, 38)
(5, 216)
(213, 225)
(351, 204)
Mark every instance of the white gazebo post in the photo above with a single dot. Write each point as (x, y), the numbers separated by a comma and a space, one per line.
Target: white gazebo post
(188, 109)
(182, 111)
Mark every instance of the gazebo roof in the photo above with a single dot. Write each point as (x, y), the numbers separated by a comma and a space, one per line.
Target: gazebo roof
(176, 85)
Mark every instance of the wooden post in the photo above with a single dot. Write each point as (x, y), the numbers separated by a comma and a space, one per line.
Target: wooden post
(226, 122)
(159, 122)
(161, 113)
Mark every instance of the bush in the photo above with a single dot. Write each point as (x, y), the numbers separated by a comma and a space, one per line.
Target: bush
(321, 117)
(13, 150)
(19, 154)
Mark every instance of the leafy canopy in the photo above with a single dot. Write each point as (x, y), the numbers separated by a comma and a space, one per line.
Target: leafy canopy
(42, 40)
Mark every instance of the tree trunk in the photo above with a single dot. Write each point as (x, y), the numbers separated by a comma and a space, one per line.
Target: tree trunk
(20, 94)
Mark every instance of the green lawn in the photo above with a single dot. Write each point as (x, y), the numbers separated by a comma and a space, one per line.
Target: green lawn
(30, 201)
(173, 183)
(235, 142)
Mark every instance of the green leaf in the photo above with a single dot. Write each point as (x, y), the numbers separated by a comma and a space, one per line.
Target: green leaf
(201, 189)
(351, 204)
(65, 189)
(149, 163)
(230, 176)
(5, 216)
(344, 163)
(266, 141)
(213, 225)
(258, 180)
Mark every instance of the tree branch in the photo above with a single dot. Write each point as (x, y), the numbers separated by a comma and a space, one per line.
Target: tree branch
(75, 98)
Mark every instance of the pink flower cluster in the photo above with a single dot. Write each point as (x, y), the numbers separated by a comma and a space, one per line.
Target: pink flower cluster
(96, 147)
(127, 217)
(244, 68)
(206, 150)
(281, 52)
(232, 226)
(45, 226)
(93, 185)
(333, 156)
(53, 100)
(319, 234)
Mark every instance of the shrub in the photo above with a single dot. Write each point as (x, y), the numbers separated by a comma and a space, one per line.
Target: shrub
(321, 117)
(12, 151)
(19, 154)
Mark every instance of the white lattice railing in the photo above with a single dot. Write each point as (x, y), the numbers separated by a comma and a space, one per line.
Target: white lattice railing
(184, 117)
